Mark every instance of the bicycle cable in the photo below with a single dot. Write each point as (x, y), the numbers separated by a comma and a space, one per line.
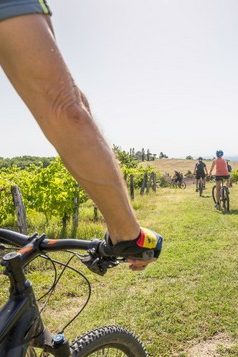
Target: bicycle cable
(57, 278)
(67, 266)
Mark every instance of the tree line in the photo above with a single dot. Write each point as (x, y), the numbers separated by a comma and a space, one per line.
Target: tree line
(25, 161)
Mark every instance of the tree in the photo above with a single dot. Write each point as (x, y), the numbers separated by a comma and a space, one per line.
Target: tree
(125, 158)
(189, 157)
(162, 156)
(25, 161)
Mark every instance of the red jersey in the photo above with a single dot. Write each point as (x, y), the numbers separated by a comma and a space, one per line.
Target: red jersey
(221, 167)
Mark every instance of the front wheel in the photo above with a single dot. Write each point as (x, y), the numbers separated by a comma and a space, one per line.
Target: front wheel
(200, 187)
(113, 341)
(225, 199)
(214, 190)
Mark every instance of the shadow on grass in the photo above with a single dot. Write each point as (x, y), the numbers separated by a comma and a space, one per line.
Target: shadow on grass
(233, 211)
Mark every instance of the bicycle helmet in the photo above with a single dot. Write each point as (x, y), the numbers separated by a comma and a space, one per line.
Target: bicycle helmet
(219, 153)
(200, 158)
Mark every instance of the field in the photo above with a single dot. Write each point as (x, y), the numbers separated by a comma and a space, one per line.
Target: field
(169, 165)
(183, 305)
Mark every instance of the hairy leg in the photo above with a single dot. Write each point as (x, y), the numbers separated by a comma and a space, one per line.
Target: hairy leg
(33, 63)
(218, 190)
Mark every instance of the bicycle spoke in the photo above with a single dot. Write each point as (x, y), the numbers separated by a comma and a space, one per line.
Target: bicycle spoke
(108, 352)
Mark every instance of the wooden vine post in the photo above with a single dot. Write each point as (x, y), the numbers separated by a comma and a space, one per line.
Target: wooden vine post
(132, 191)
(20, 209)
(65, 220)
(153, 181)
(95, 213)
(144, 183)
(148, 184)
(75, 217)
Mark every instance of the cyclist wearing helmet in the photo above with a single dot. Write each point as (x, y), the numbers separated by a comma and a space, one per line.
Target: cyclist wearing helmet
(221, 173)
(178, 177)
(200, 171)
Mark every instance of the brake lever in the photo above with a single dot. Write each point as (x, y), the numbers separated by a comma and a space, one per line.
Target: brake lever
(99, 265)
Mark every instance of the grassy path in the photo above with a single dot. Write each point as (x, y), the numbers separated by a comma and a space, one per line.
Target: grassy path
(190, 295)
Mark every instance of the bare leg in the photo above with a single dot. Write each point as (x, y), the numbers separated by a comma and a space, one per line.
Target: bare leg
(218, 190)
(34, 65)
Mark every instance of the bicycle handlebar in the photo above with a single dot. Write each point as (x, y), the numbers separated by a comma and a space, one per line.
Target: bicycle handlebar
(32, 246)
(21, 240)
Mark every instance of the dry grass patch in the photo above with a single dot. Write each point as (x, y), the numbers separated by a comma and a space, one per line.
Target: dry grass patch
(169, 165)
(210, 348)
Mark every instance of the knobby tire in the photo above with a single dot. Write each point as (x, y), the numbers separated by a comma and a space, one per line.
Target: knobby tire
(225, 199)
(108, 341)
(214, 194)
(200, 188)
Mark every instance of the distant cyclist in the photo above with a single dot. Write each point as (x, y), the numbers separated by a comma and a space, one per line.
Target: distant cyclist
(200, 171)
(221, 173)
(178, 177)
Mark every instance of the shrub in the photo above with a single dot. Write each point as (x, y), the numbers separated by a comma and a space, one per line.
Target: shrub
(234, 176)
(188, 174)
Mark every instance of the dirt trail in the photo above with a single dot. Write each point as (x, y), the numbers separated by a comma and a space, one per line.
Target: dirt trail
(209, 348)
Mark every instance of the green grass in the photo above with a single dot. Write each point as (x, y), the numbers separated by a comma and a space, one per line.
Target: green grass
(190, 295)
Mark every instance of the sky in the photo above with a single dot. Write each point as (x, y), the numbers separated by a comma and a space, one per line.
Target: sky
(159, 74)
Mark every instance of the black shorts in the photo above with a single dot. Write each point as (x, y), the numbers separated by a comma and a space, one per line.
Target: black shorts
(200, 175)
(220, 178)
(12, 8)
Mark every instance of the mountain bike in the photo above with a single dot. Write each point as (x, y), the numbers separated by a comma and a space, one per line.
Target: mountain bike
(224, 196)
(179, 184)
(21, 326)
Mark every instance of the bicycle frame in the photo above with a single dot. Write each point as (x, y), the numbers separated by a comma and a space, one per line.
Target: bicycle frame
(20, 321)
